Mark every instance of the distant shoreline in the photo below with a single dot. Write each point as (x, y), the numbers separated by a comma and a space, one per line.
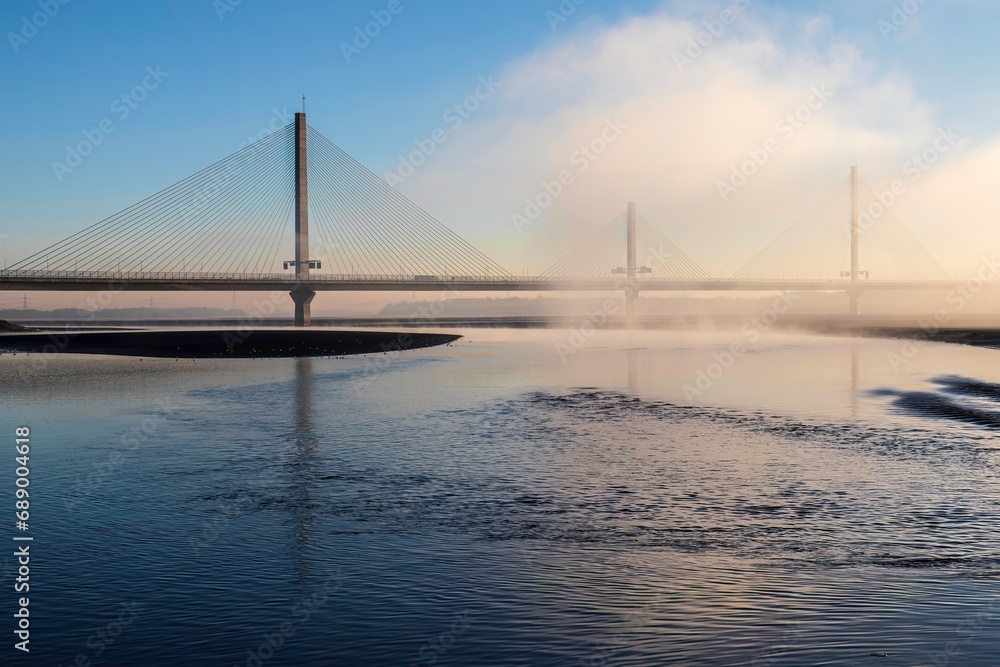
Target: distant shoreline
(977, 331)
(784, 321)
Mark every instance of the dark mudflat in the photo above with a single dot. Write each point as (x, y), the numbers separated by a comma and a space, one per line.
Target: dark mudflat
(977, 337)
(7, 326)
(214, 343)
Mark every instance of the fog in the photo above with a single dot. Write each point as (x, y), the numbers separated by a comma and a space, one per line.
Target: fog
(814, 98)
(723, 146)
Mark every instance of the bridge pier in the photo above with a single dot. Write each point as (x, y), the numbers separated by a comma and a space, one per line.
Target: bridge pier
(855, 301)
(631, 302)
(303, 296)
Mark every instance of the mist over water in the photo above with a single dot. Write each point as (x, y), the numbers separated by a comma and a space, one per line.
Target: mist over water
(549, 502)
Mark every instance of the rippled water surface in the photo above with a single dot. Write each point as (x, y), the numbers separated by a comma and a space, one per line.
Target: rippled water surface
(520, 498)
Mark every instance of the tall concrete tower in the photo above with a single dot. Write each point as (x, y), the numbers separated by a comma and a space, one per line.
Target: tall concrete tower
(301, 294)
(854, 293)
(631, 292)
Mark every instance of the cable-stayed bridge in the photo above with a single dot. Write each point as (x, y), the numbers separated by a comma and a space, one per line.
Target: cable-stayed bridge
(295, 212)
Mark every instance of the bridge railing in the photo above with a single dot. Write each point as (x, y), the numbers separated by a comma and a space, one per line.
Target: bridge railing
(166, 276)
(610, 281)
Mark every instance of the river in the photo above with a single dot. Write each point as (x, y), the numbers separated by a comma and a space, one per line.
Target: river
(519, 498)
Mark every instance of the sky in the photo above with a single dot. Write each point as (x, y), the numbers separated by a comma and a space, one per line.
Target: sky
(886, 81)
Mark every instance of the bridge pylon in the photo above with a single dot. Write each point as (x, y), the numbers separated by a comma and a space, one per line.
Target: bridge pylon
(855, 291)
(627, 255)
(631, 289)
(631, 286)
(302, 295)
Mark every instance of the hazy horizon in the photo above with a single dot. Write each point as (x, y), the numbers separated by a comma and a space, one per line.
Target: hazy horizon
(800, 93)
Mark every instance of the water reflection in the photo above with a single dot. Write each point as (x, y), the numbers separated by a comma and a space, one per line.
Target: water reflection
(302, 505)
(855, 380)
(597, 526)
(633, 369)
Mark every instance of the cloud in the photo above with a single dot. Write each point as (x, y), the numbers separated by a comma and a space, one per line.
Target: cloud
(688, 126)
(955, 210)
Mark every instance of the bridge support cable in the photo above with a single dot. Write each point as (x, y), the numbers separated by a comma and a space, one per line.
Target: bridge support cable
(848, 235)
(238, 217)
(663, 257)
(226, 218)
(368, 227)
(605, 255)
(595, 257)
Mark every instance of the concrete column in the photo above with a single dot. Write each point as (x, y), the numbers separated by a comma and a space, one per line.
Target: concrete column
(302, 295)
(854, 224)
(854, 294)
(631, 291)
(631, 302)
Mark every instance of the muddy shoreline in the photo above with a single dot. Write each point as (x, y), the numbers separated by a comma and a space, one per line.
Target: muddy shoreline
(218, 343)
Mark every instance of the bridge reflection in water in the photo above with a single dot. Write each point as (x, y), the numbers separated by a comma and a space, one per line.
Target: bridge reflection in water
(301, 504)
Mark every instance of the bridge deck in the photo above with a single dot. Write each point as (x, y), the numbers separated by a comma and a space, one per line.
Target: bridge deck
(226, 282)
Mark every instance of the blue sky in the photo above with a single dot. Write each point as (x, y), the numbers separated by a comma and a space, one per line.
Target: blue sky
(227, 71)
